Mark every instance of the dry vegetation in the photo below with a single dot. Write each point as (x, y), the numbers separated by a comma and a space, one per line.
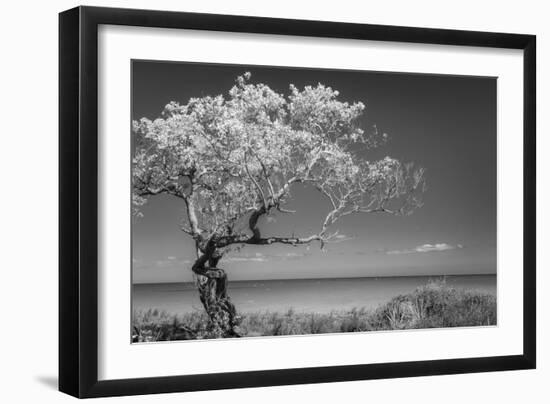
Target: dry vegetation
(435, 305)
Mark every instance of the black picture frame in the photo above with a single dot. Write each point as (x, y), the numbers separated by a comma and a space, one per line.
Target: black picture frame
(78, 201)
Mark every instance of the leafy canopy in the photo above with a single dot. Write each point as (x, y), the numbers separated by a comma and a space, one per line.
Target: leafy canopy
(232, 160)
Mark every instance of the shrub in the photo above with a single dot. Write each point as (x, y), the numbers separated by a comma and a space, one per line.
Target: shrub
(435, 305)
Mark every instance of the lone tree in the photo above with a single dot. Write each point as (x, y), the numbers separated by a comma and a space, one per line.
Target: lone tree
(234, 160)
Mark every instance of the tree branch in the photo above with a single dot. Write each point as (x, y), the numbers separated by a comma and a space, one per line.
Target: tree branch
(252, 240)
(258, 187)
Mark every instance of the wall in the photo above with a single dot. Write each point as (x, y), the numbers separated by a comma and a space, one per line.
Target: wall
(28, 85)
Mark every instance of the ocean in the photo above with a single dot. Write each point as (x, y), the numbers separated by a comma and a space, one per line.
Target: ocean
(309, 295)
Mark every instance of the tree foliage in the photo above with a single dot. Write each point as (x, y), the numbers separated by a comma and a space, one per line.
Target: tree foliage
(234, 159)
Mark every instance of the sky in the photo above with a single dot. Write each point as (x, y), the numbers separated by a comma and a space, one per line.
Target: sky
(444, 123)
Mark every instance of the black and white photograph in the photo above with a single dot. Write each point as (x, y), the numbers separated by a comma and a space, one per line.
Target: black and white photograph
(274, 201)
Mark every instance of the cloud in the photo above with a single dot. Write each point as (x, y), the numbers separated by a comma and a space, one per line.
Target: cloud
(260, 257)
(246, 259)
(434, 247)
(337, 238)
(425, 248)
(292, 255)
(170, 261)
(257, 257)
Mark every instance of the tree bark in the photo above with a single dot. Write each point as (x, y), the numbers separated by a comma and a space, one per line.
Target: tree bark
(212, 287)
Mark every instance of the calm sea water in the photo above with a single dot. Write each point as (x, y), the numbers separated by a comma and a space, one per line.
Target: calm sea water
(311, 295)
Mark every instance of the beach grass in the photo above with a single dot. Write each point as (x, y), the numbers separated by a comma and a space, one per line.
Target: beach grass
(435, 305)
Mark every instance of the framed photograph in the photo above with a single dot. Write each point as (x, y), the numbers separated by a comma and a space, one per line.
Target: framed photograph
(251, 201)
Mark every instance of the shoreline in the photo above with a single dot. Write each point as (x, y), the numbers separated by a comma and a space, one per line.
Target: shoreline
(326, 278)
(435, 305)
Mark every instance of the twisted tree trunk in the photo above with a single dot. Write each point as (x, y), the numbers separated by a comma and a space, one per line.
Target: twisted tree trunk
(212, 287)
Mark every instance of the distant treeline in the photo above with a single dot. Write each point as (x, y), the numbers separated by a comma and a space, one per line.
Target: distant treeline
(435, 305)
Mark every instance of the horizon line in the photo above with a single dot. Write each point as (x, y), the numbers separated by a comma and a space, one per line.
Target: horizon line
(329, 277)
